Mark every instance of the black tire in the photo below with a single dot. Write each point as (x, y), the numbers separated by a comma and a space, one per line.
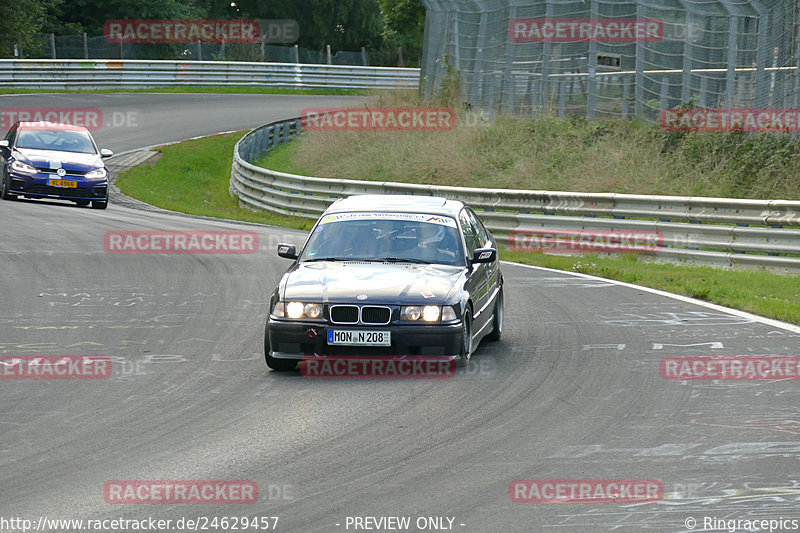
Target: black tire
(497, 319)
(281, 365)
(465, 351)
(4, 189)
(99, 204)
(82, 203)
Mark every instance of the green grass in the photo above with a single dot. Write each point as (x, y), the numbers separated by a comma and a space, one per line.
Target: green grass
(193, 177)
(600, 156)
(235, 89)
(755, 291)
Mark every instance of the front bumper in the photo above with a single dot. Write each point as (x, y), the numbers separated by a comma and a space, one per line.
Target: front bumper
(298, 339)
(38, 186)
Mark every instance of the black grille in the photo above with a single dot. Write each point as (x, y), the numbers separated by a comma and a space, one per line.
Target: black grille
(69, 172)
(375, 315)
(73, 192)
(344, 314)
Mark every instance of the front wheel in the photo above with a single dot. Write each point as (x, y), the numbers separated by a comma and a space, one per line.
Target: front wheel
(466, 339)
(99, 204)
(82, 203)
(281, 365)
(497, 320)
(5, 187)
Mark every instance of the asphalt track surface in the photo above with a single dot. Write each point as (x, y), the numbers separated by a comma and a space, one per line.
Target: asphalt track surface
(572, 392)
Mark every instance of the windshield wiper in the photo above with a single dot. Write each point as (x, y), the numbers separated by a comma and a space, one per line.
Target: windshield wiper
(402, 260)
(327, 259)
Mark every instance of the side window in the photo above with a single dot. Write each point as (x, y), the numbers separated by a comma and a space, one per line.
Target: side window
(483, 235)
(470, 232)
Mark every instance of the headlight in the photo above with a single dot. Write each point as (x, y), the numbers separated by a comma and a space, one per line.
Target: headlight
(297, 310)
(427, 313)
(25, 168)
(96, 173)
(431, 313)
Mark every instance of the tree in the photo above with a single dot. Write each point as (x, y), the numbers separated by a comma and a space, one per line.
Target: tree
(343, 24)
(20, 24)
(405, 25)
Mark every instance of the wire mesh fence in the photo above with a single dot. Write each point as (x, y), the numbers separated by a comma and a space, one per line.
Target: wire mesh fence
(613, 57)
(48, 46)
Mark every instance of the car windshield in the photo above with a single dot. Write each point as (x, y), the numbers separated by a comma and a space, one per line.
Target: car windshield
(62, 141)
(391, 237)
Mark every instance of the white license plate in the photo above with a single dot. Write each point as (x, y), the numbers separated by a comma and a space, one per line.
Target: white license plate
(358, 337)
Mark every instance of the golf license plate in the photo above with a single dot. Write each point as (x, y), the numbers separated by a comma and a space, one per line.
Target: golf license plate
(359, 337)
(63, 183)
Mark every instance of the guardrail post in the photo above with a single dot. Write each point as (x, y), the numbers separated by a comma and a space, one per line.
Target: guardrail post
(53, 45)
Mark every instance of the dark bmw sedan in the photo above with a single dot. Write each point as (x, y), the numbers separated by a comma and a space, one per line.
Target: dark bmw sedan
(387, 275)
(49, 160)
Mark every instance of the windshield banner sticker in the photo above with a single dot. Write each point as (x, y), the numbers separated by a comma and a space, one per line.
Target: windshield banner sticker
(412, 217)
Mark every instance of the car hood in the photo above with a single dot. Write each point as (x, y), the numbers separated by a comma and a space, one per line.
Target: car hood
(384, 283)
(56, 159)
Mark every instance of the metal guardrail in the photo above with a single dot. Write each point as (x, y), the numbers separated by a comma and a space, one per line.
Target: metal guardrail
(101, 74)
(716, 231)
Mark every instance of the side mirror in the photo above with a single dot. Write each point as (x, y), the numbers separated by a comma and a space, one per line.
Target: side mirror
(4, 143)
(105, 152)
(287, 250)
(484, 255)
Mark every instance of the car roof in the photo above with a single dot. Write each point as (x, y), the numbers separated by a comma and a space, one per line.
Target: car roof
(397, 203)
(50, 126)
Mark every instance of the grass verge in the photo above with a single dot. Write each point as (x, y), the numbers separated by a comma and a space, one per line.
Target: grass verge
(606, 155)
(755, 291)
(193, 177)
(236, 89)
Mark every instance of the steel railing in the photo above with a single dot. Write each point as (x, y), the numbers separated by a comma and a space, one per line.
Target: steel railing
(717, 231)
(107, 74)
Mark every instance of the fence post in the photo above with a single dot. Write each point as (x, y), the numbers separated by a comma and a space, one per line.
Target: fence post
(296, 54)
(399, 56)
(364, 56)
(664, 93)
(199, 51)
(53, 45)
(730, 77)
(85, 46)
(638, 81)
(704, 92)
(626, 97)
(328, 52)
